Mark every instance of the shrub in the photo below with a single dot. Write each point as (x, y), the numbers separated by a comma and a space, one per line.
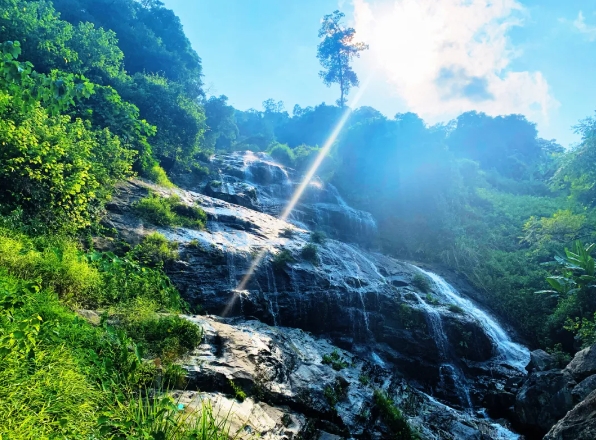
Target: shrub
(170, 211)
(155, 250)
(158, 175)
(318, 237)
(310, 253)
(393, 417)
(335, 392)
(336, 361)
(282, 259)
(431, 299)
(282, 153)
(287, 233)
(421, 282)
(57, 261)
(239, 393)
(455, 309)
(165, 337)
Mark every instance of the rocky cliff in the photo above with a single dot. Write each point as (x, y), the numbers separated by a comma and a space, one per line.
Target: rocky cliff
(309, 328)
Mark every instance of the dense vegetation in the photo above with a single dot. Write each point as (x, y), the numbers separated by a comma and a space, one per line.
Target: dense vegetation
(88, 339)
(91, 94)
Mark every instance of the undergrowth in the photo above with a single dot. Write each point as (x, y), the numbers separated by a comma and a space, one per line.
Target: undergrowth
(170, 211)
(393, 418)
(61, 376)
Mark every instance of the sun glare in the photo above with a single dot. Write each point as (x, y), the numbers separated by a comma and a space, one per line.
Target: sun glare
(240, 289)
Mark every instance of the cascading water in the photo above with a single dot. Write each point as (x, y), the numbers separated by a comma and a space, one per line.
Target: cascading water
(509, 352)
(352, 293)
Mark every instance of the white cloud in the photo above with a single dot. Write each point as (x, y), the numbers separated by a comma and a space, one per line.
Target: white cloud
(586, 29)
(449, 56)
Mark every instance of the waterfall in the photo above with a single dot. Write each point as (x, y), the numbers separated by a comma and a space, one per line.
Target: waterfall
(509, 352)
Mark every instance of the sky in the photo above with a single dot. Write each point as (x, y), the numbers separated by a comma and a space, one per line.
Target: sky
(437, 58)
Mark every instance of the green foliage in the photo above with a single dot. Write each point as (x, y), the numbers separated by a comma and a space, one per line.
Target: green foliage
(575, 289)
(335, 360)
(282, 259)
(282, 154)
(393, 417)
(155, 250)
(421, 282)
(318, 237)
(335, 53)
(170, 211)
(335, 392)
(310, 253)
(454, 308)
(54, 170)
(158, 175)
(161, 417)
(364, 379)
(239, 393)
(164, 337)
(180, 121)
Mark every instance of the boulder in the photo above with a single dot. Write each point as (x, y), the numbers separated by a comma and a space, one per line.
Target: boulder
(578, 424)
(584, 388)
(583, 363)
(540, 360)
(543, 399)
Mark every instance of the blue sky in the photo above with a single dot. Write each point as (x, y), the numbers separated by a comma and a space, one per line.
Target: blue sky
(436, 58)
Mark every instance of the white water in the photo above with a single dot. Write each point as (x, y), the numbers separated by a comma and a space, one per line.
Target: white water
(509, 352)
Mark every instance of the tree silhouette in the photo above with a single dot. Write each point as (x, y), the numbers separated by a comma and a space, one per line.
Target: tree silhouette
(335, 53)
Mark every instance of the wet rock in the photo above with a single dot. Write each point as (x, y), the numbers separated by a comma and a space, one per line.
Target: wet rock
(364, 302)
(540, 360)
(578, 424)
(544, 398)
(583, 363)
(291, 389)
(585, 387)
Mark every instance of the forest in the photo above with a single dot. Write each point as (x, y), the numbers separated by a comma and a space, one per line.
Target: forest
(92, 94)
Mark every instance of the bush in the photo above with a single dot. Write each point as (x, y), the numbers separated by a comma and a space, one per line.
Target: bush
(282, 153)
(310, 253)
(455, 309)
(421, 282)
(170, 211)
(318, 237)
(282, 259)
(155, 250)
(393, 417)
(158, 175)
(336, 361)
(287, 233)
(164, 337)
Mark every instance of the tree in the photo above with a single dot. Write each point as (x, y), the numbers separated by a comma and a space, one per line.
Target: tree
(335, 53)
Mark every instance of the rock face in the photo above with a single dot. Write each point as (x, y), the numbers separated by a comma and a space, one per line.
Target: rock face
(578, 424)
(583, 363)
(387, 316)
(295, 391)
(540, 360)
(544, 398)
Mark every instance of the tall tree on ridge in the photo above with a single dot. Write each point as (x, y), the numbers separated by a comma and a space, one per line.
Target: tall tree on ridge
(335, 53)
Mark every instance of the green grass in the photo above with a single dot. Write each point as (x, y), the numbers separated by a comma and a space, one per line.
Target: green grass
(61, 376)
(393, 418)
(421, 282)
(170, 211)
(158, 175)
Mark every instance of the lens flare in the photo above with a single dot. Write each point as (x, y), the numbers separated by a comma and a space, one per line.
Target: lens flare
(240, 289)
